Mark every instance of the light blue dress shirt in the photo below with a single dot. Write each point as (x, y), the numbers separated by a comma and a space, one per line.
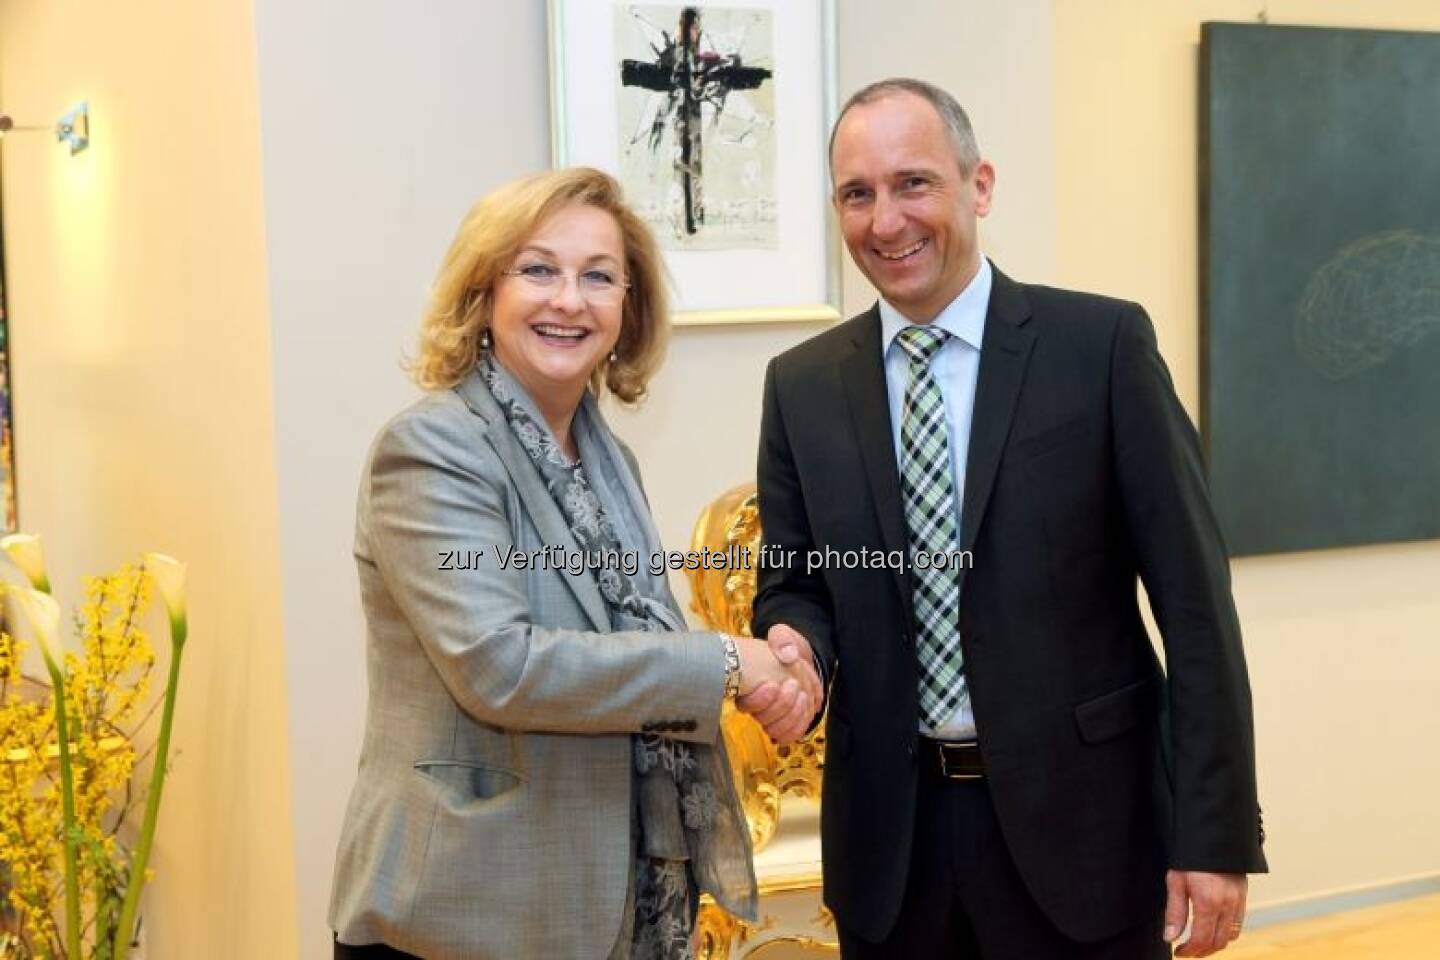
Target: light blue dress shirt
(956, 368)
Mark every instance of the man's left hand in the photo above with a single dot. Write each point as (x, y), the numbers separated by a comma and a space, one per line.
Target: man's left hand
(1218, 901)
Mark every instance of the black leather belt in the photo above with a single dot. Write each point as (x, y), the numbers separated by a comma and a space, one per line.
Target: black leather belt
(952, 759)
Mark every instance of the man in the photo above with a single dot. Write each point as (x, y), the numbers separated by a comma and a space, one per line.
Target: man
(1009, 772)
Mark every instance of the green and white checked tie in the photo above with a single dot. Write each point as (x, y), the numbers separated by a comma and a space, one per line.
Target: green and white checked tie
(928, 490)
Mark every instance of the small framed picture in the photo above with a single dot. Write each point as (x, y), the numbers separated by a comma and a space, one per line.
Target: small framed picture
(715, 118)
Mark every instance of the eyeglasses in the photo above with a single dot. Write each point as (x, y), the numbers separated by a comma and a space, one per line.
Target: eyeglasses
(598, 286)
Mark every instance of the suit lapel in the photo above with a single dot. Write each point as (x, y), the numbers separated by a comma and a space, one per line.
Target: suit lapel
(862, 374)
(1004, 354)
(541, 507)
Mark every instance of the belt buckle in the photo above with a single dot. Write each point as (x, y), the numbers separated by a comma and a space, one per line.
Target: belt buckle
(945, 770)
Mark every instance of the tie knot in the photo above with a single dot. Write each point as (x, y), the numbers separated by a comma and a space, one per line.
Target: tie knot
(921, 343)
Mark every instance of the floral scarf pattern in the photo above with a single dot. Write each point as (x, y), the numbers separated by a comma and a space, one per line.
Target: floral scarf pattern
(676, 801)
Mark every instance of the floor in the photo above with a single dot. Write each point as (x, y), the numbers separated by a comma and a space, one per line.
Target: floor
(1408, 930)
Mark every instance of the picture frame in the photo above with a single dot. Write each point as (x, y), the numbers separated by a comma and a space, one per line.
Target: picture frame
(715, 117)
(1319, 398)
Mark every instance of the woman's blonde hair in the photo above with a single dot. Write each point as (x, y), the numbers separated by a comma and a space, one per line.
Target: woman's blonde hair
(487, 243)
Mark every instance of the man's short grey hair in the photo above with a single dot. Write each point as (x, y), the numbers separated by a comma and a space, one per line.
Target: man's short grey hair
(957, 123)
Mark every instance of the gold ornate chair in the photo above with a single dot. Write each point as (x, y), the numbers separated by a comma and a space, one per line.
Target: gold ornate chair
(771, 779)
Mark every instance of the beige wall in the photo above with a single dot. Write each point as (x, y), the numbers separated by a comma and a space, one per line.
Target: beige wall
(1342, 643)
(142, 401)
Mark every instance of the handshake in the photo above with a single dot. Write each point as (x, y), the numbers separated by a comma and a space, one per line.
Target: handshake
(779, 685)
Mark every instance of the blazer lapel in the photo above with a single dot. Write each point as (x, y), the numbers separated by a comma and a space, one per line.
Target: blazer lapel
(862, 374)
(1004, 354)
(544, 513)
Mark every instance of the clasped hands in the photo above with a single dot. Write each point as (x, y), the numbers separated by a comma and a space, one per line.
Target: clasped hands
(779, 685)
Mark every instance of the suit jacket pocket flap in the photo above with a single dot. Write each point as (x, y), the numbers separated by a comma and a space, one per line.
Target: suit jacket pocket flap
(1111, 714)
(466, 781)
(1052, 438)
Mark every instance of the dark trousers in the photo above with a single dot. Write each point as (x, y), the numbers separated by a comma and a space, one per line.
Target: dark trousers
(964, 899)
(373, 951)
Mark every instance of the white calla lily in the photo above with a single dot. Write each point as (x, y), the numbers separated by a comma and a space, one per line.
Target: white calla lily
(43, 614)
(24, 551)
(169, 577)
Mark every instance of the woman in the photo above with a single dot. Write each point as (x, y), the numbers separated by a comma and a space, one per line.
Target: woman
(542, 774)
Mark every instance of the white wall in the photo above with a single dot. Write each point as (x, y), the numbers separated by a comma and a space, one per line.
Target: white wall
(380, 124)
(697, 436)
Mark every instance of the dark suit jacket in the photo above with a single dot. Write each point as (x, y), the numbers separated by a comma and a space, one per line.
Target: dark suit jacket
(1083, 473)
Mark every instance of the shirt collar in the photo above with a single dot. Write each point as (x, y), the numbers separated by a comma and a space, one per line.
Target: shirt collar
(963, 318)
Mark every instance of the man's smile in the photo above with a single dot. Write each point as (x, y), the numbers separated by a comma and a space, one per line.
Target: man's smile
(909, 251)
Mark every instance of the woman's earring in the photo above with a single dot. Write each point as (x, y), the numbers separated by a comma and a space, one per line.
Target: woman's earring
(613, 356)
(485, 339)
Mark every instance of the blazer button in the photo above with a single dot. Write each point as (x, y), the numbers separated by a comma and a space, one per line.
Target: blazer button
(910, 748)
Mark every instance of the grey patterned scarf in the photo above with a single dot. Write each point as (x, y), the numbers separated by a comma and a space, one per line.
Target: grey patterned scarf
(689, 832)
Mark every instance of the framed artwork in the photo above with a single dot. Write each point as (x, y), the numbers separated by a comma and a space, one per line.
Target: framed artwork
(8, 519)
(1320, 308)
(715, 117)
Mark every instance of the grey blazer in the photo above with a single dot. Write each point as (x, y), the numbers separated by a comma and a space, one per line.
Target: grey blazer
(491, 813)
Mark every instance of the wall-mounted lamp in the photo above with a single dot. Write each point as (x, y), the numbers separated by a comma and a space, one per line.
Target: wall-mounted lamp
(73, 128)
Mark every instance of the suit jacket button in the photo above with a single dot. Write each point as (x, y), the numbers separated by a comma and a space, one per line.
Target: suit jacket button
(910, 749)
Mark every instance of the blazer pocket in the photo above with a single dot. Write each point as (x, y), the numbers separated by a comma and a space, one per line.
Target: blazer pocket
(1051, 438)
(1111, 714)
(465, 782)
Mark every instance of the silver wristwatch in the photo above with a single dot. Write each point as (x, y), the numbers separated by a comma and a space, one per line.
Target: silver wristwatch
(732, 666)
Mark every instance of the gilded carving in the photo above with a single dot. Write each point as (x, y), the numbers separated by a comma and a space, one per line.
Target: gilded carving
(764, 773)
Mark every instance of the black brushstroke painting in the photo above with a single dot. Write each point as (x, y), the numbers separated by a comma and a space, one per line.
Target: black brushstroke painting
(690, 78)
